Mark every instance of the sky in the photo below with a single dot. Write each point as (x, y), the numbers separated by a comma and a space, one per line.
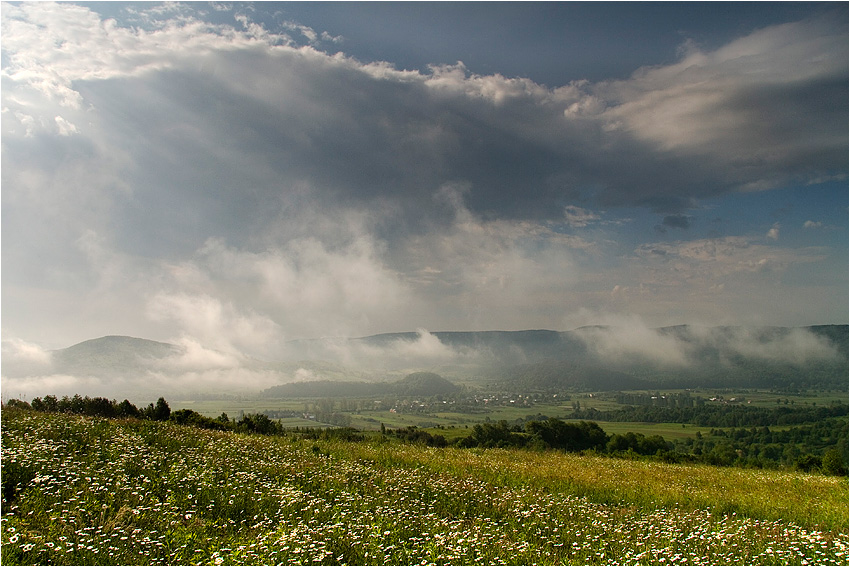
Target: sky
(238, 175)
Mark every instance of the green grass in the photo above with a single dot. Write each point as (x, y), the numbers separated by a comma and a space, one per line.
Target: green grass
(810, 500)
(214, 408)
(89, 491)
(669, 431)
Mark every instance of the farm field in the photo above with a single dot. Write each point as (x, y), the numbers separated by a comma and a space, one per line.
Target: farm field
(80, 490)
(454, 424)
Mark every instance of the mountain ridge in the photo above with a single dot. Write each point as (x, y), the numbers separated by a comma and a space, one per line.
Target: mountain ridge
(415, 334)
(589, 357)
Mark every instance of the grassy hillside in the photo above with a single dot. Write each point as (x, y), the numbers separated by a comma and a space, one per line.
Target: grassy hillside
(91, 491)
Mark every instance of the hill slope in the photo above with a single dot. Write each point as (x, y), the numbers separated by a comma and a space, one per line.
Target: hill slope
(112, 355)
(586, 358)
(376, 502)
(424, 384)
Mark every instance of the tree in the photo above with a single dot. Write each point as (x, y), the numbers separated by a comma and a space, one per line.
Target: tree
(15, 403)
(834, 462)
(102, 407)
(259, 423)
(568, 436)
(808, 463)
(158, 412)
(127, 409)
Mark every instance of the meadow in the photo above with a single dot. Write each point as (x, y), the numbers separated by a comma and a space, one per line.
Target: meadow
(81, 490)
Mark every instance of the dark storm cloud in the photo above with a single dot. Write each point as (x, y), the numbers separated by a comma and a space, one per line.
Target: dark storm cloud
(677, 221)
(357, 134)
(258, 124)
(233, 184)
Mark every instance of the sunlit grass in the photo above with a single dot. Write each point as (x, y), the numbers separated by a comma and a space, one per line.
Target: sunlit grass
(810, 500)
(87, 491)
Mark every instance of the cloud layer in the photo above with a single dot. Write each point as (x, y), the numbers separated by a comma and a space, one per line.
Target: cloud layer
(235, 186)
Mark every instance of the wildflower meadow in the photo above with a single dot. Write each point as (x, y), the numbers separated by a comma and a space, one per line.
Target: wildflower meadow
(83, 491)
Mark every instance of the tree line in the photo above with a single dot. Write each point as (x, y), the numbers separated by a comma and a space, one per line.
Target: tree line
(819, 446)
(554, 433)
(726, 415)
(159, 411)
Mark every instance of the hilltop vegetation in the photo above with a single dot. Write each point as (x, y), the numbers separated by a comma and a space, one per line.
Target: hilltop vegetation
(820, 444)
(83, 491)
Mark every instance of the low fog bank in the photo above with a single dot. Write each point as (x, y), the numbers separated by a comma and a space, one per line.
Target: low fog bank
(394, 352)
(686, 346)
(122, 367)
(125, 367)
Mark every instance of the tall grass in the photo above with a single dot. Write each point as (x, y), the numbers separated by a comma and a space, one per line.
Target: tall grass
(87, 491)
(812, 501)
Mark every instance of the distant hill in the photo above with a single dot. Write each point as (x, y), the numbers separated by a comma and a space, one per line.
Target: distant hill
(326, 389)
(505, 346)
(588, 358)
(111, 356)
(558, 375)
(610, 358)
(422, 384)
(836, 334)
(756, 357)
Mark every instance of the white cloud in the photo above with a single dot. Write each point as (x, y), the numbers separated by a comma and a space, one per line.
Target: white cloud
(578, 217)
(238, 380)
(21, 358)
(706, 259)
(30, 386)
(64, 127)
(773, 233)
(309, 288)
(626, 338)
(702, 105)
(812, 224)
(217, 323)
(720, 104)
(390, 357)
(621, 338)
(171, 384)
(195, 356)
(796, 346)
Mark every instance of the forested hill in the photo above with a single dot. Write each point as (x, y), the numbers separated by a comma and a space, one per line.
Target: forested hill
(559, 375)
(587, 358)
(536, 345)
(611, 358)
(423, 384)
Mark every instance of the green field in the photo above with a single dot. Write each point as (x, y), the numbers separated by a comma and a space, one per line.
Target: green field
(454, 424)
(79, 491)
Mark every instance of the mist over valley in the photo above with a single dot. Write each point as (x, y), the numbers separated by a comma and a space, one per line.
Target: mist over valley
(584, 359)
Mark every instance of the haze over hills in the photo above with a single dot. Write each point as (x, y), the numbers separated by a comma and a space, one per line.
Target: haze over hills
(597, 357)
(416, 384)
(112, 356)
